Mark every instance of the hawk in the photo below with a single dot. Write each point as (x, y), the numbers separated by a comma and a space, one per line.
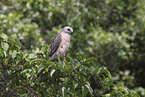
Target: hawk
(60, 43)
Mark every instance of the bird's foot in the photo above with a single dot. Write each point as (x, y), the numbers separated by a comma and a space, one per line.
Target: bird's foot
(64, 58)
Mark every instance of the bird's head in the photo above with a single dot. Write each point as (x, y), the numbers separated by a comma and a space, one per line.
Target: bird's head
(67, 29)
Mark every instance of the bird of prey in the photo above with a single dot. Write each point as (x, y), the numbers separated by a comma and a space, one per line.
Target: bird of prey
(60, 43)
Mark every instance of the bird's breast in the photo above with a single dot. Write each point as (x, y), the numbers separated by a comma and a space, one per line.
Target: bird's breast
(64, 45)
(65, 40)
(65, 37)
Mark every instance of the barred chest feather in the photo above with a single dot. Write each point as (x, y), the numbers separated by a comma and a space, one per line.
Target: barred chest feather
(65, 41)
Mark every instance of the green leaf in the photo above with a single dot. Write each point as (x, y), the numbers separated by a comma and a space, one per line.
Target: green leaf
(124, 90)
(89, 88)
(49, 64)
(92, 69)
(63, 92)
(84, 91)
(52, 72)
(107, 95)
(92, 59)
(18, 44)
(6, 61)
(4, 36)
(76, 85)
(5, 53)
(99, 70)
(14, 53)
(135, 94)
(28, 75)
(62, 79)
(40, 68)
(81, 56)
(1, 52)
(108, 73)
(26, 70)
(5, 46)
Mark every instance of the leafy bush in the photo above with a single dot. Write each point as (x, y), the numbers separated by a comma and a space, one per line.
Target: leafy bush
(34, 75)
(112, 31)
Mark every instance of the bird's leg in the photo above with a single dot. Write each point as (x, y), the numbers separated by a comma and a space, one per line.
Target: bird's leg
(64, 57)
(58, 59)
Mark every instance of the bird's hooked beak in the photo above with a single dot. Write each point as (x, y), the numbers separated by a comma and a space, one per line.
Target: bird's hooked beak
(72, 32)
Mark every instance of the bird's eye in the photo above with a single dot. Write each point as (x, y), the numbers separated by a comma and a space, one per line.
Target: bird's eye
(68, 29)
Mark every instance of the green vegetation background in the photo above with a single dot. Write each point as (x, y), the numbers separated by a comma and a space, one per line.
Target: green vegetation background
(105, 58)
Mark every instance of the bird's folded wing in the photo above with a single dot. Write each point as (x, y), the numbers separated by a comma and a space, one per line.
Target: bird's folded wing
(55, 44)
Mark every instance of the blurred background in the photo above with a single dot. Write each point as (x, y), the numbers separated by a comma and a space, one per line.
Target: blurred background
(113, 31)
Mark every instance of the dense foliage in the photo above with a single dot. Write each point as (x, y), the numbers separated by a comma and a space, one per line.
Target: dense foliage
(106, 55)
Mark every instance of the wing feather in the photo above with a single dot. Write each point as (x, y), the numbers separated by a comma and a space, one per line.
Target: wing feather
(55, 44)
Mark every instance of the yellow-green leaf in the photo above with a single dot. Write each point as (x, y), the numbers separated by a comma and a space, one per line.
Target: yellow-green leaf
(5, 46)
